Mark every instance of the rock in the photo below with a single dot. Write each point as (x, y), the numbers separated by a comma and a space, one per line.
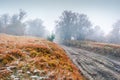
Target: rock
(16, 78)
(28, 72)
(13, 76)
(34, 77)
(19, 71)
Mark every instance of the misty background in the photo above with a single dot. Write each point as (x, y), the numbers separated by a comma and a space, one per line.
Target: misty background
(66, 20)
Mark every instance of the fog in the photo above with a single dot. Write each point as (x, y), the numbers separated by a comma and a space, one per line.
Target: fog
(67, 20)
(70, 26)
(77, 26)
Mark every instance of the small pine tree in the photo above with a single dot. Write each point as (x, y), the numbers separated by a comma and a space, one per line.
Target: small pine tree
(51, 37)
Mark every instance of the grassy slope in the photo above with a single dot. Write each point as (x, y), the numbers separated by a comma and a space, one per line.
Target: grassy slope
(28, 57)
(112, 50)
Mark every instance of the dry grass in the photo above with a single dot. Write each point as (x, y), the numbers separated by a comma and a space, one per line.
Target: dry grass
(111, 50)
(29, 58)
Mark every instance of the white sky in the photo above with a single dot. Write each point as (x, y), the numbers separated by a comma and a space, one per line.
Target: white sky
(101, 12)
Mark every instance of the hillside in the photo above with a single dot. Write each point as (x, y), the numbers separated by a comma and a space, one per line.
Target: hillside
(30, 58)
(106, 49)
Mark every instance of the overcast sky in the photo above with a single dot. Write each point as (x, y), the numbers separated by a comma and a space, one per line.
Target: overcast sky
(101, 12)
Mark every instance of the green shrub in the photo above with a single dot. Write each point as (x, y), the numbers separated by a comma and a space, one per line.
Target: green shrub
(51, 37)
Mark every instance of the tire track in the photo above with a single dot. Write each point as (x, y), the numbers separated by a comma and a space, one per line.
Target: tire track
(94, 66)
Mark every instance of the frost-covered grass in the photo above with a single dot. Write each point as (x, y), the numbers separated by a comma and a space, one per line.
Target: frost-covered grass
(30, 58)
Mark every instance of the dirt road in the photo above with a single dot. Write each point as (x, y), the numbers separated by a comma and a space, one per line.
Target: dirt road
(94, 66)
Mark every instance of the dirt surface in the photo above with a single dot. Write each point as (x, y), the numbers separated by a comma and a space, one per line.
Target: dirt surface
(94, 66)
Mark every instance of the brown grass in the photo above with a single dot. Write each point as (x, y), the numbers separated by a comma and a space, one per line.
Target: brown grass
(30, 53)
(111, 50)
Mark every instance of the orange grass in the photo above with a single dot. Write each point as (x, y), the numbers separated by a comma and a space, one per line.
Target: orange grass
(30, 53)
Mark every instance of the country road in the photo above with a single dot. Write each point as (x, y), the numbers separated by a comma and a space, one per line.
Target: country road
(94, 66)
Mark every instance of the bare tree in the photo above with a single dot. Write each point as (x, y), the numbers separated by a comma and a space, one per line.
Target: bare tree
(114, 35)
(96, 34)
(4, 21)
(16, 26)
(72, 25)
(36, 28)
(22, 14)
